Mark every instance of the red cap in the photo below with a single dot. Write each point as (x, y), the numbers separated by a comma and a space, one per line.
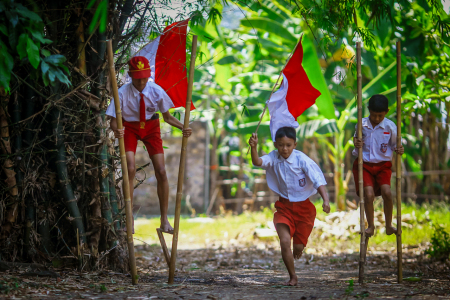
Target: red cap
(139, 67)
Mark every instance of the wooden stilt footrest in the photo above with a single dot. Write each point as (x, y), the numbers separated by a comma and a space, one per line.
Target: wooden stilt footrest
(163, 245)
(366, 246)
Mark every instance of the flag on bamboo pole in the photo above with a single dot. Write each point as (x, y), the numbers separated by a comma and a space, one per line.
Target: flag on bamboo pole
(296, 94)
(167, 57)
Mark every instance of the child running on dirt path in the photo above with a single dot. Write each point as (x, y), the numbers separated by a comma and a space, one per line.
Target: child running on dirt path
(139, 102)
(379, 141)
(294, 177)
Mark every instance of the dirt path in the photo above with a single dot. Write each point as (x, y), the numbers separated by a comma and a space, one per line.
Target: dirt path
(249, 273)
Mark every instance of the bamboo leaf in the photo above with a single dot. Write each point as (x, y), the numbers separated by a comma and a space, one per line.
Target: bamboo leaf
(4, 29)
(44, 68)
(12, 17)
(62, 77)
(25, 12)
(38, 36)
(267, 25)
(55, 59)
(33, 53)
(45, 52)
(22, 45)
(6, 66)
(45, 79)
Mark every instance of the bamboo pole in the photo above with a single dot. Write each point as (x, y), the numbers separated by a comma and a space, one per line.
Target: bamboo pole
(399, 164)
(173, 256)
(362, 247)
(126, 182)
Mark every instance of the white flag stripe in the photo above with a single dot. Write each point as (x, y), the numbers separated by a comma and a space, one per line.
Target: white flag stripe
(280, 115)
(149, 52)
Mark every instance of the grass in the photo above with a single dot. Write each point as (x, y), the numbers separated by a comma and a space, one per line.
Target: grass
(232, 230)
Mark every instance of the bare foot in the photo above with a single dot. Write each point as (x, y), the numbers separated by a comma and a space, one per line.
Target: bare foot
(391, 230)
(370, 231)
(292, 281)
(298, 250)
(166, 227)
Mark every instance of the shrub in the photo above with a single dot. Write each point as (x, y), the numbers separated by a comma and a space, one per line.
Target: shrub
(440, 244)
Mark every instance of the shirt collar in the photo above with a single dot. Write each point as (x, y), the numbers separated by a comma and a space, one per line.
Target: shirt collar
(290, 159)
(366, 122)
(136, 92)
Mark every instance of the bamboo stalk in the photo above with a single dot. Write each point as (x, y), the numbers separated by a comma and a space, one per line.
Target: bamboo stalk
(173, 256)
(362, 247)
(399, 164)
(123, 159)
(8, 166)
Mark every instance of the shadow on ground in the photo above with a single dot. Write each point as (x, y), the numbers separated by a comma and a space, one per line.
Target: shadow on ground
(244, 273)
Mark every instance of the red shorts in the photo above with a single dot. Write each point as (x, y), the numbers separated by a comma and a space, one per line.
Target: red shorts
(299, 216)
(150, 136)
(374, 175)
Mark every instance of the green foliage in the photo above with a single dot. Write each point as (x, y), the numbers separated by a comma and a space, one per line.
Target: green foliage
(52, 67)
(22, 42)
(440, 244)
(100, 15)
(350, 287)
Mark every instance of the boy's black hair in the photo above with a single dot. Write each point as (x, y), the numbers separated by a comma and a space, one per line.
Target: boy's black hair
(378, 103)
(288, 132)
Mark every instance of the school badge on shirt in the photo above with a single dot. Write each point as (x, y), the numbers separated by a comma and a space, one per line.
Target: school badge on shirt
(302, 182)
(383, 148)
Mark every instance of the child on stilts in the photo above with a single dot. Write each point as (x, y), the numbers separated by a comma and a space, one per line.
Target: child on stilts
(379, 141)
(139, 101)
(294, 177)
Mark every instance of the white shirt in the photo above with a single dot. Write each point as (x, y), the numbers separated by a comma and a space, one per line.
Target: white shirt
(155, 99)
(296, 178)
(379, 142)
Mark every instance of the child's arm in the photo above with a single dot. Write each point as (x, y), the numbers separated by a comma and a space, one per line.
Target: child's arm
(399, 149)
(256, 160)
(118, 133)
(357, 142)
(169, 119)
(326, 202)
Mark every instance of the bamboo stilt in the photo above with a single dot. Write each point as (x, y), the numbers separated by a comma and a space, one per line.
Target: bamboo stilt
(362, 247)
(126, 182)
(173, 256)
(399, 164)
(162, 241)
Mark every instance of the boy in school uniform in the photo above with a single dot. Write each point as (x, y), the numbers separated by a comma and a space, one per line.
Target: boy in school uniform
(379, 141)
(139, 101)
(294, 177)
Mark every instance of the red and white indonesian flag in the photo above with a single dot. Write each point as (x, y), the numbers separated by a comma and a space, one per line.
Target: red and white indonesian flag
(296, 94)
(167, 57)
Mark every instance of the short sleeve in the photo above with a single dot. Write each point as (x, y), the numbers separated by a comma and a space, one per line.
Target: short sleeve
(313, 172)
(164, 103)
(111, 110)
(267, 162)
(356, 131)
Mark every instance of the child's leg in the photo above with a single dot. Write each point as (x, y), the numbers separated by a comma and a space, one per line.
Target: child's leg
(369, 197)
(298, 250)
(286, 252)
(388, 207)
(162, 189)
